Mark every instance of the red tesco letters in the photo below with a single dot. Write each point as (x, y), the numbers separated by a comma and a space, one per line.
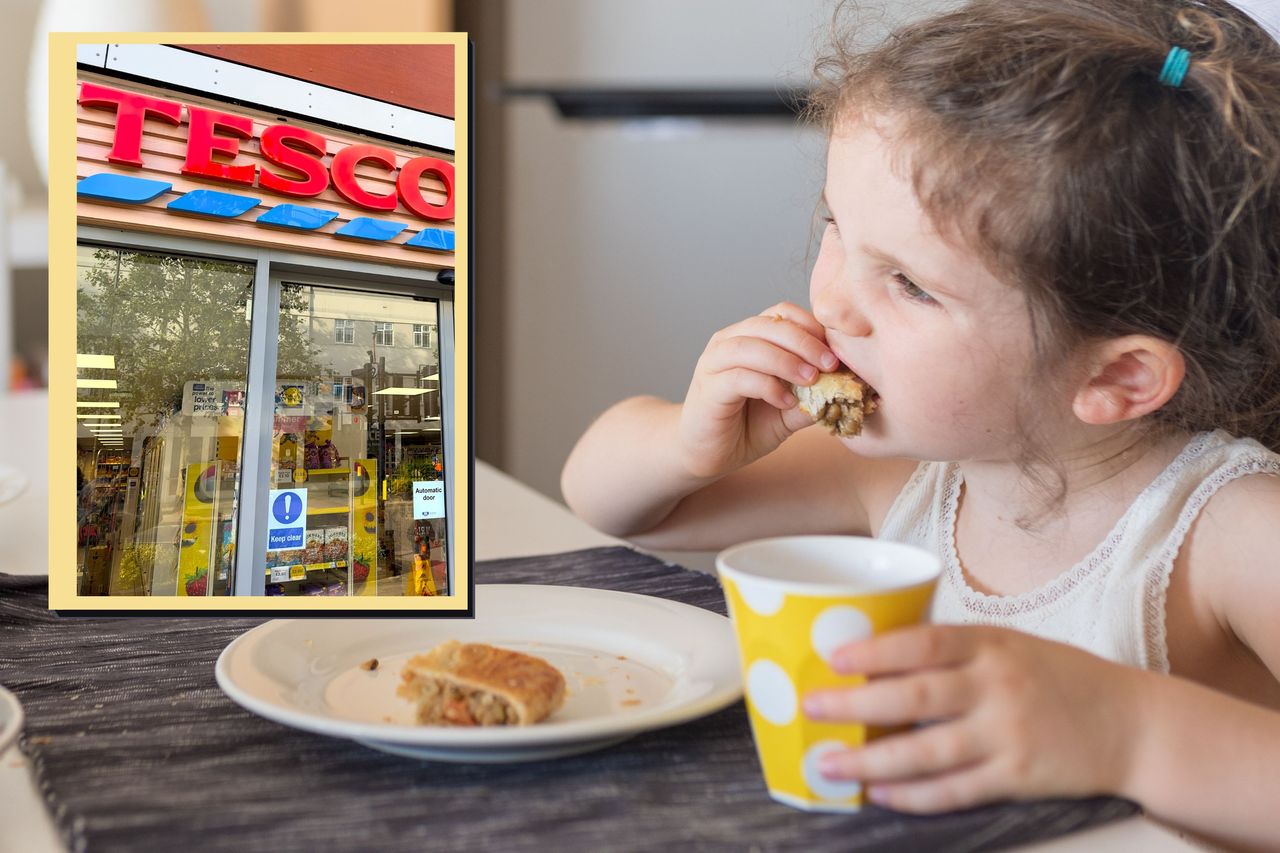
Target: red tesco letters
(298, 151)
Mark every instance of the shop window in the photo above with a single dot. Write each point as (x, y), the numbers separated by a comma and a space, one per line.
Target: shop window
(382, 335)
(344, 331)
(162, 346)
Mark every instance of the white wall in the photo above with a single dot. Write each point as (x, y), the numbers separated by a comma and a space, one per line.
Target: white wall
(664, 42)
(630, 243)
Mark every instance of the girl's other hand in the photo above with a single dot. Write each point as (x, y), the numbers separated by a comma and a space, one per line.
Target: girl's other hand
(1011, 716)
(739, 406)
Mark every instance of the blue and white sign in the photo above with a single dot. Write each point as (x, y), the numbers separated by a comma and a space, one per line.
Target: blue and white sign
(287, 519)
(428, 499)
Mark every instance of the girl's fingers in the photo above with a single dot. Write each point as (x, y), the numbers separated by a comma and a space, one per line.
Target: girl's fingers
(947, 792)
(908, 649)
(794, 313)
(930, 695)
(741, 383)
(919, 754)
(788, 328)
(794, 337)
(759, 355)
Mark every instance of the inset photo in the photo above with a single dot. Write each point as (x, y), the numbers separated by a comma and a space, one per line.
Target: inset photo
(260, 323)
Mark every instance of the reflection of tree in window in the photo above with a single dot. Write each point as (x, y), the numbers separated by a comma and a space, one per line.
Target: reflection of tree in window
(169, 320)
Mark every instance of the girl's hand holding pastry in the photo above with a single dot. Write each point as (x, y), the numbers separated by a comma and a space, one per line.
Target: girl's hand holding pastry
(740, 406)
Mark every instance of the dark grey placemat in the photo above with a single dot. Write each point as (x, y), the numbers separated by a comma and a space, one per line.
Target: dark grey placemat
(135, 748)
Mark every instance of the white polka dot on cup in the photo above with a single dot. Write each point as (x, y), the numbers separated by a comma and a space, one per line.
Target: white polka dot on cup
(764, 600)
(821, 786)
(771, 692)
(837, 626)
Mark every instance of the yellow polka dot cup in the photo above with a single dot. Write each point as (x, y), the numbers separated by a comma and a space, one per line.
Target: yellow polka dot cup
(794, 600)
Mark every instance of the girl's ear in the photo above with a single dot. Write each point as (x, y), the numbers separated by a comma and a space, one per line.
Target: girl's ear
(1127, 378)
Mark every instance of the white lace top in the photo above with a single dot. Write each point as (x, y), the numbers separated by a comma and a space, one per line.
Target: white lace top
(1112, 602)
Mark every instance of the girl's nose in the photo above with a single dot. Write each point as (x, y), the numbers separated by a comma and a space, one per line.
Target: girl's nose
(835, 307)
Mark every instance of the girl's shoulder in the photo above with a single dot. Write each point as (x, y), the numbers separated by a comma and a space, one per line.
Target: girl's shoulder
(1225, 583)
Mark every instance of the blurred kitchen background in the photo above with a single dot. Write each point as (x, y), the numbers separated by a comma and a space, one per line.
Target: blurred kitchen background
(641, 180)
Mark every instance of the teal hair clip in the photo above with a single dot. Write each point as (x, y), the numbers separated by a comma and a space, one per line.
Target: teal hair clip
(1175, 66)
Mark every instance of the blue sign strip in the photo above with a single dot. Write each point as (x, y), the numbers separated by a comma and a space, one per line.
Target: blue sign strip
(364, 228)
(213, 203)
(298, 217)
(123, 189)
(435, 239)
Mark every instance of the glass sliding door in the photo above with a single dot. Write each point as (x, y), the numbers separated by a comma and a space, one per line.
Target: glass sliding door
(356, 480)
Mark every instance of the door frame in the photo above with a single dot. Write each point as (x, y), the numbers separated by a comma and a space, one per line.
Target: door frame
(272, 268)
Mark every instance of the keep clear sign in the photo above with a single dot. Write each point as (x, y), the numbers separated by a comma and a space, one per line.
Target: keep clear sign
(287, 523)
(428, 499)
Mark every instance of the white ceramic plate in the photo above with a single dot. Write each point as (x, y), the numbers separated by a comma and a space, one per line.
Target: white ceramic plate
(631, 663)
(10, 719)
(12, 483)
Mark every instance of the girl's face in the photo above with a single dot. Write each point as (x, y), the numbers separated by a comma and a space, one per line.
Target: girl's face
(947, 345)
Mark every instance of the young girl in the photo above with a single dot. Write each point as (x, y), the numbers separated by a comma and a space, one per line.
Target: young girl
(1053, 249)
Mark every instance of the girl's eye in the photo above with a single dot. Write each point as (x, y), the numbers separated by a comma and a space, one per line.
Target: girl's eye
(830, 220)
(911, 291)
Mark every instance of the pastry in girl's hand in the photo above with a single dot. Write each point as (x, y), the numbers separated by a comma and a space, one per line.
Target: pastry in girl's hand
(473, 684)
(839, 401)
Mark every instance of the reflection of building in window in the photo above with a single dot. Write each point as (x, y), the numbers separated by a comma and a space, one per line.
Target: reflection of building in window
(382, 334)
(344, 331)
(422, 335)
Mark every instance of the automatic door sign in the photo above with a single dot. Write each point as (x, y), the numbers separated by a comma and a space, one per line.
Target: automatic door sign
(428, 499)
(287, 521)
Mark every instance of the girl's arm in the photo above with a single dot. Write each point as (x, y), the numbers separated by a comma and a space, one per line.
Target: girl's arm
(624, 475)
(1207, 762)
(734, 461)
(810, 484)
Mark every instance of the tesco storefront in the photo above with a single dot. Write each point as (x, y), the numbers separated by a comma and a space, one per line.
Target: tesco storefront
(265, 327)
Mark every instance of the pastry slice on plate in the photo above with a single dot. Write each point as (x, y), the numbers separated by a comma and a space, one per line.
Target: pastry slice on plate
(473, 684)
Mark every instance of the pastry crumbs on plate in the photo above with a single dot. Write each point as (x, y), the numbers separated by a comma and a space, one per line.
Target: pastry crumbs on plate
(370, 665)
(630, 701)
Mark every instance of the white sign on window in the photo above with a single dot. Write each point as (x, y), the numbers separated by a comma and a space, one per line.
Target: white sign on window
(428, 499)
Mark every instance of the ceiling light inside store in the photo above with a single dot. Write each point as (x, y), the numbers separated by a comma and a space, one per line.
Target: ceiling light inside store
(107, 362)
(404, 392)
(111, 405)
(95, 383)
(98, 417)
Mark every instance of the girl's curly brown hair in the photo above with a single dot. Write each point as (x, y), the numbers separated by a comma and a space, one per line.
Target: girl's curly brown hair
(1041, 136)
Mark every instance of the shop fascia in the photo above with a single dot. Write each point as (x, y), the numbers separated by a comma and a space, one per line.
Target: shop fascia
(287, 146)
